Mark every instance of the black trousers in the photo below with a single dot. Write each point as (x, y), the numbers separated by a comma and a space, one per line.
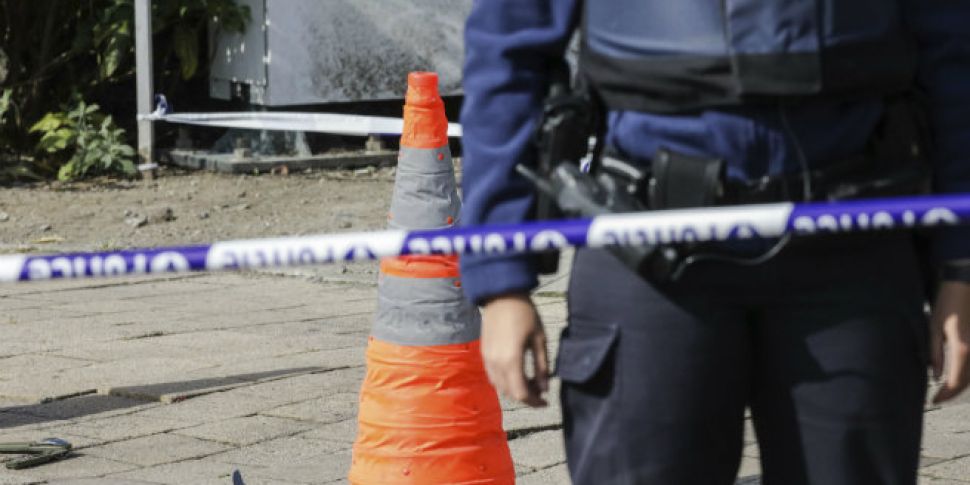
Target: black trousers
(827, 345)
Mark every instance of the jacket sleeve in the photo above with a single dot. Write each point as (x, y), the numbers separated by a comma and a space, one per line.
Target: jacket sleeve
(943, 31)
(510, 46)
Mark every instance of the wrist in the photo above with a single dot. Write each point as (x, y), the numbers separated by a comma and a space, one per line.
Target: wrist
(516, 297)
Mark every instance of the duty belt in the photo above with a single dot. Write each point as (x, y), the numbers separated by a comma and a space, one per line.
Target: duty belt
(672, 180)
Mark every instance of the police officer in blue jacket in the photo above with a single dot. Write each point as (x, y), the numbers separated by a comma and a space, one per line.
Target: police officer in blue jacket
(826, 342)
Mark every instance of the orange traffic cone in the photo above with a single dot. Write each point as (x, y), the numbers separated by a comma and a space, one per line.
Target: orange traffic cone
(428, 414)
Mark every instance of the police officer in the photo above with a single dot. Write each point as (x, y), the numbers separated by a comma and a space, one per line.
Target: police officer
(825, 341)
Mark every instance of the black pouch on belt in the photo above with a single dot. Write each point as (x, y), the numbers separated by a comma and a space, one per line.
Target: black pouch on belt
(680, 181)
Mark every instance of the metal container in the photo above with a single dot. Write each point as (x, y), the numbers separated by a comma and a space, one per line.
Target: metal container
(321, 51)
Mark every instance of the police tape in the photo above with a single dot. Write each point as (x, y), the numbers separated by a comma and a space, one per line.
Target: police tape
(630, 229)
(338, 124)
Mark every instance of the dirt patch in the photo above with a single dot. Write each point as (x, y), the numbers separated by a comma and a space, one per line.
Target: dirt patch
(182, 207)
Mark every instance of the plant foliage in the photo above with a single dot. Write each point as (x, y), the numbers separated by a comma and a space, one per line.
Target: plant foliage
(57, 52)
(88, 140)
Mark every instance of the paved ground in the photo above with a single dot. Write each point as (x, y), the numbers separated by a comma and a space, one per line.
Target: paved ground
(184, 379)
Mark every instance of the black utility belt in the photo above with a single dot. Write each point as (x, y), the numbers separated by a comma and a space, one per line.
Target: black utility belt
(672, 181)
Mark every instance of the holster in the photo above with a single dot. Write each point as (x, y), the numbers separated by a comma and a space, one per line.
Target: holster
(681, 181)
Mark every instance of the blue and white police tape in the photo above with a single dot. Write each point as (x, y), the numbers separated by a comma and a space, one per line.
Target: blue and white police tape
(338, 124)
(656, 227)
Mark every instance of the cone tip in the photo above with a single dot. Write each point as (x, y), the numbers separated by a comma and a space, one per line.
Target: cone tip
(423, 79)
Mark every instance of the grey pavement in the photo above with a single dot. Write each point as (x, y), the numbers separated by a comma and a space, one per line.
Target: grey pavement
(184, 379)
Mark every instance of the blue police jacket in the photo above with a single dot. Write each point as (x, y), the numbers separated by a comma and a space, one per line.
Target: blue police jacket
(512, 45)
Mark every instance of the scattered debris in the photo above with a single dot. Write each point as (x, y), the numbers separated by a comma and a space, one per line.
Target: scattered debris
(48, 240)
(162, 214)
(280, 170)
(136, 221)
(365, 172)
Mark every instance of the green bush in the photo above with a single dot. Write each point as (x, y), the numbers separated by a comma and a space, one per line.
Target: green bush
(56, 51)
(88, 140)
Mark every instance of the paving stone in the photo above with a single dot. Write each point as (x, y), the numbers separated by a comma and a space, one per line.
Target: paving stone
(119, 428)
(556, 475)
(539, 450)
(951, 417)
(99, 481)
(311, 385)
(157, 449)
(12, 477)
(322, 469)
(749, 480)
(940, 443)
(344, 432)
(330, 409)
(96, 304)
(23, 316)
(76, 466)
(532, 418)
(296, 450)
(955, 469)
(246, 430)
(202, 382)
(925, 480)
(54, 287)
(925, 461)
(15, 303)
(116, 373)
(121, 349)
(183, 472)
(209, 408)
(63, 432)
(316, 334)
(326, 359)
(749, 471)
(751, 451)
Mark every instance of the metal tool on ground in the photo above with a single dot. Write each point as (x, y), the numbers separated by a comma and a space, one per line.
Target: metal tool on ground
(428, 414)
(38, 453)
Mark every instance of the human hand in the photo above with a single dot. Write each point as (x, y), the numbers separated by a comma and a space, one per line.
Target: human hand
(950, 339)
(510, 326)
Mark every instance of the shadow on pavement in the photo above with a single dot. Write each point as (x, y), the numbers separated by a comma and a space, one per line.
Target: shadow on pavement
(118, 398)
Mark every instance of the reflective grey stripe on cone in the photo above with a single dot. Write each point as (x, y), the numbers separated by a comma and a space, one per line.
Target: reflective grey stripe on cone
(424, 311)
(425, 191)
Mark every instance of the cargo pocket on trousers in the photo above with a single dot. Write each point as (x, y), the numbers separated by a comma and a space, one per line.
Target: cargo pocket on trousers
(587, 357)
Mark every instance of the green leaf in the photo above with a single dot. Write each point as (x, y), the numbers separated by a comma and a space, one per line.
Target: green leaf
(187, 50)
(66, 172)
(50, 122)
(5, 102)
(128, 168)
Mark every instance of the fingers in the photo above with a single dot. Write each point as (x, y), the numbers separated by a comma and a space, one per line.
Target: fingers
(504, 370)
(936, 346)
(540, 361)
(510, 328)
(507, 376)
